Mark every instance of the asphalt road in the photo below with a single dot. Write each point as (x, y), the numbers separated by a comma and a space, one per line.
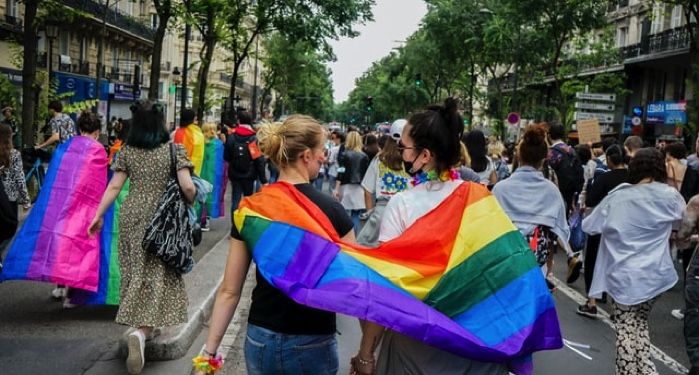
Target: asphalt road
(37, 336)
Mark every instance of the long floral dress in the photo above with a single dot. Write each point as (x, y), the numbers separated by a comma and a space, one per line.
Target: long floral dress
(152, 294)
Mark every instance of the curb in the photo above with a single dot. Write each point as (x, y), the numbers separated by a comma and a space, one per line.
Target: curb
(201, 285)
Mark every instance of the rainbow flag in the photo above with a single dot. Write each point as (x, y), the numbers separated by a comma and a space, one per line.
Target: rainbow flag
(53, 245)
(192, 139)
(213, 171)
(474, 290)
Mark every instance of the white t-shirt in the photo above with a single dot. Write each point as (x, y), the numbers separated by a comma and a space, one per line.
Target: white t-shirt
(332, 160)
(485, 175)
(406, 207)
(383, 182)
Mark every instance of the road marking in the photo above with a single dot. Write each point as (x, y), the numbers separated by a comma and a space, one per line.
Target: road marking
(655, 352)
(570, 345)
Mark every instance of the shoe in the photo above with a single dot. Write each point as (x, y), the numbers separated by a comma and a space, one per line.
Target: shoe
(67, 305)
(587, 310)
(574, 266)
(205, 229)
(136, 358)
(677, 314)
(550, 285)
(58, 293)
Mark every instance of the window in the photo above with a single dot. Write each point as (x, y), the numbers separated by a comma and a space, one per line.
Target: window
(83, 49)
(621, 35)
(658, 18)
(64, 42)
(41, 43)
(676, 17)
(154, 21)
(11, 8)
(161, 90)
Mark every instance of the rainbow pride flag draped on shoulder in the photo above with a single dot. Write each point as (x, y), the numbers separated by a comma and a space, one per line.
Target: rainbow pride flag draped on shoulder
(193, 141)
(461, 278)
(53, 245)
(213, 171)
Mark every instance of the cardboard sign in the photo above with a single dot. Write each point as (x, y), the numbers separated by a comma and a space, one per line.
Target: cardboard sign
(588, 131)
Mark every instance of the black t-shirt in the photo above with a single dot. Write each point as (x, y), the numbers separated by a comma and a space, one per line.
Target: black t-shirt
(275, 311)
(603, 184)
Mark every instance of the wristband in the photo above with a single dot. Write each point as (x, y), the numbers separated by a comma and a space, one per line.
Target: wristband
(208, 365)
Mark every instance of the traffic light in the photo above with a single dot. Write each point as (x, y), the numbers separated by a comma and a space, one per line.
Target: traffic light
(418, 80)
(369, 103)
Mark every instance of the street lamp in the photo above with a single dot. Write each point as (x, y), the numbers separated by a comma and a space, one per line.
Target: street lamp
(176, 79)
(51, 34)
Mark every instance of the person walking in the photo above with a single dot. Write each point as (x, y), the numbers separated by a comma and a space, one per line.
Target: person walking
(348, 189)
(600, 186)
(634, 265)
(9, 119)
(338, 140)
(480, 162)
(14, 186)
(532, 201)
(152, 294)
(687, 238)
(189, 135)
(245, 163)
(283, 337)
(383, 179)
(62, 126)
(430, 150)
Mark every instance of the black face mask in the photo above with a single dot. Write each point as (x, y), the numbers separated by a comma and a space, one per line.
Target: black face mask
(408, 167)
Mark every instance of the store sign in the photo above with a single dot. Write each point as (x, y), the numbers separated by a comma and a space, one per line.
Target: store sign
(667, 113)
(123, 91)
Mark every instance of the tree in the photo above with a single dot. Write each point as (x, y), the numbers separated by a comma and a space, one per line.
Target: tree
(312, 21)
(166, 10)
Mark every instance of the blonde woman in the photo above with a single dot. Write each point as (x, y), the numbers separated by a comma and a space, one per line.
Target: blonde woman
(283, 337)
(348, 188)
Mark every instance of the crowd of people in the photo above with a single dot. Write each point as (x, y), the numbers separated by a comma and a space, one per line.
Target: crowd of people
(630, 203)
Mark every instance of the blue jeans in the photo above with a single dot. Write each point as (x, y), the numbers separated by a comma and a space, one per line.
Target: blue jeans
(318, 183)
(240, 188)
(271, 353)
(354, 214)
(331, 183)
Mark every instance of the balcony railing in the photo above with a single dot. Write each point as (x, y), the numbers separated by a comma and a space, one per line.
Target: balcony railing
(114, 17)
(11, 23)
(669, 40)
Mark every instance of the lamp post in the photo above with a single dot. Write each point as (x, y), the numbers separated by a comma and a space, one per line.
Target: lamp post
(176, 79)
(51, 34)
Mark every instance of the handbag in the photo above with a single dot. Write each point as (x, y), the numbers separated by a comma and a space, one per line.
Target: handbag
(169, 235)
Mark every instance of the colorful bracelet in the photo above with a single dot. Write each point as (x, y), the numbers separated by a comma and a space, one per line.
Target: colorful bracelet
(208, 365)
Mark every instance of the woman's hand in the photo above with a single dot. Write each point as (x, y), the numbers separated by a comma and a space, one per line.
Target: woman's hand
(337, 195)
(361, 366)
(95, 226)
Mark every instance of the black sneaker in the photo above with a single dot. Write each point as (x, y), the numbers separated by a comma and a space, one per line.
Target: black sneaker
(550, 285)
(587, 310)
(574, 266)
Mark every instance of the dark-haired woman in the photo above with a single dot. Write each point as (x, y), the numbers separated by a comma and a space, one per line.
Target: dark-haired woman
(480, 162)
(152, 294)
(599, 188)
(674, 153)
(532, 201)
(12, 179)
(430, 149)
(634, 265)
(383, 179)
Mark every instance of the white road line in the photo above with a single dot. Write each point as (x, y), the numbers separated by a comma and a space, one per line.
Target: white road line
(657, 354)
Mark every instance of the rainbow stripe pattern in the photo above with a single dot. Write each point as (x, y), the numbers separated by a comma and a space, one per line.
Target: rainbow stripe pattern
(192, 139)
(462, 278)
(213, 171)
(53, 245)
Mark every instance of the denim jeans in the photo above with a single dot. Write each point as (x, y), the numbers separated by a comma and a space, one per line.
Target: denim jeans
(240, 188)
(318, 183)
(331, 183)
(271, 353)
(354, 214)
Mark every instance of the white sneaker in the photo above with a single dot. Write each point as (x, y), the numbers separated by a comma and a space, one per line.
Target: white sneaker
(67, 305)
(136, 358)
(58, 293)
(677, 314)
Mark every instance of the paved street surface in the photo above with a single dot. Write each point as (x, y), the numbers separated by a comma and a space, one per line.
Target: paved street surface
(37, 336)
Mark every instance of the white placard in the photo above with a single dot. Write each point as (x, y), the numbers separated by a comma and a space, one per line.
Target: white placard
(604, 118)
(600, 97)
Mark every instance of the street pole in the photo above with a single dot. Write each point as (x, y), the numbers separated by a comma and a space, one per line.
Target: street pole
(185, 66)
(100, 57)
(254, 86)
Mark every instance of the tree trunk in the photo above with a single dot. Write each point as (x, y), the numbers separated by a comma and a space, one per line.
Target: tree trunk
(208, 52)
(29, 72)
(231, 115)
(164, 17)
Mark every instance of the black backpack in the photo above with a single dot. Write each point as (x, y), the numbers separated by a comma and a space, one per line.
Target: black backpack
(241, 161)
(570, 173)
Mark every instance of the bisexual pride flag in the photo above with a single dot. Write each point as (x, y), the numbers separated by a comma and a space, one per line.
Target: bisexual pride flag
(461, 278)
(213, 171)
(53, 245)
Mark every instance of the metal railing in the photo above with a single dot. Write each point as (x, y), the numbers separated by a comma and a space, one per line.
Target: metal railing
(114, 17)
(668, 40)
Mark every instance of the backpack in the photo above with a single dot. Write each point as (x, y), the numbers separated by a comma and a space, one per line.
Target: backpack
(570, 173)
(242, 158)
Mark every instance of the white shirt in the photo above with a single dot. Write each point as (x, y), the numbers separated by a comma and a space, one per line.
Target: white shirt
(634, 264)
(485, 175)
(383, 182)
(406, 207)
(332, 160)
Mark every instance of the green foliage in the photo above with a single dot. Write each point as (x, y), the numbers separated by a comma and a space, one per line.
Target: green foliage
(9, 96)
